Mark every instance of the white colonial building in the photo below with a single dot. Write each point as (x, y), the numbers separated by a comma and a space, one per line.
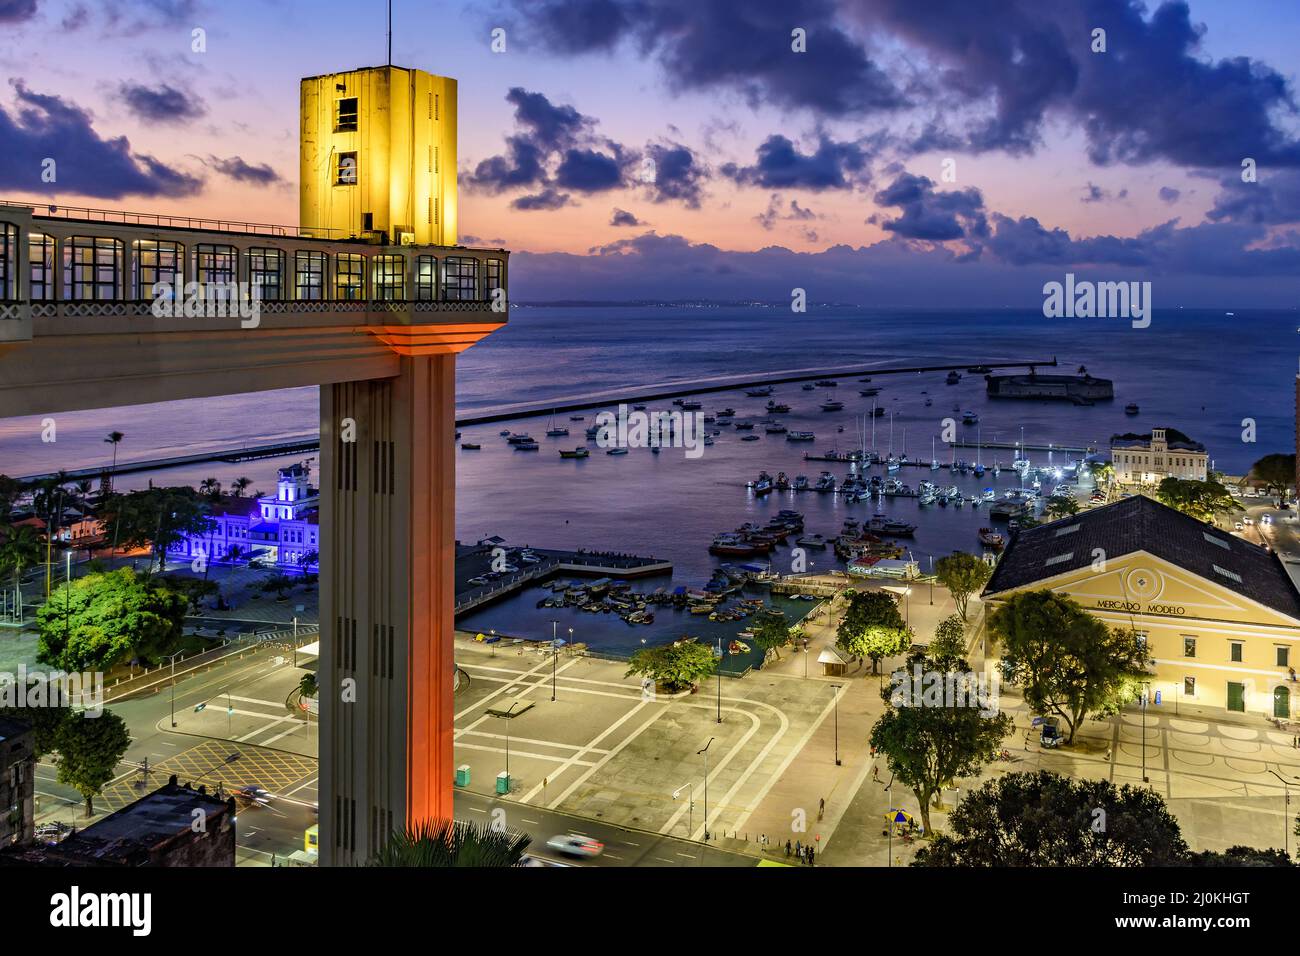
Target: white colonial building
(1164, 453)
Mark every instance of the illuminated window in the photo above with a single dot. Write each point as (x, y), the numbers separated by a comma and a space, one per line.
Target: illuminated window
(460, 279)
(40, 256)
(158, 262)
(92, 268)
(347, 170)
(8, 261)
(349, 276)
(1189, 646)
(309, 275)
(214, 265)
(1189, 686)
(389, 277)
(426, 278)
(494, 276)
(264, 272)
(345, 115)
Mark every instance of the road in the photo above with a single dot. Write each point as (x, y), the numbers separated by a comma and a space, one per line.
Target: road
(623, 847)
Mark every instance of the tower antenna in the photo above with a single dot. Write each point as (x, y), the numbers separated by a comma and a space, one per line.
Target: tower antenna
(390, 32)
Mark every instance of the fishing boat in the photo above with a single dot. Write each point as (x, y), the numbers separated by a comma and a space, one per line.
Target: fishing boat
(1131, 408)
(774, 428)
(809, 386)
(782, 483)
(751, 438)
(744, 426)
(825, 482)
(763, 484)
(953, 378)
(593, 431)
(882, 524)
(826, 383)
(529, 445)
(616, 451)
(800, 436)
(970, 418)
(726, 413)
(869, 391)
(991, 539)
(800, 481)
(777, 408)
(519, 438)
(832, 405)
(812, 541)
(574, 453)
(760, 392)
(470, 446)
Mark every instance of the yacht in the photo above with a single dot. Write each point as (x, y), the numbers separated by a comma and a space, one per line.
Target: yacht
(574, 453)
(869, 391)
(809, 386)
(1131, 408)
(777, 408)
(812, 541)
(800, 436)
(825, 482)
(832, 405)
(529, 445)
(970, 418)
(774, 428)
(826, 383)
(800, 483)
(882, 524)
(751, 438)
(470, 446)
(744, 426)
(553, 430)
(953, 378)
(726, 413)
(593, 431)
(761, 392)
(617, 451)
(521, 438)
(763, 485)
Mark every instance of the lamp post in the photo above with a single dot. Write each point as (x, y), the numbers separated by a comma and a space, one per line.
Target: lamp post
(837, 688)
(555, 652)
(717, 656)
(173, 704)
(690, 807)
(1286, 818)
(506, 717)
(1145, 691)
(705, 753)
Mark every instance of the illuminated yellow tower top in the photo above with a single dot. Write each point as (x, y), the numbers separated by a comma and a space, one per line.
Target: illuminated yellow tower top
(378, 156)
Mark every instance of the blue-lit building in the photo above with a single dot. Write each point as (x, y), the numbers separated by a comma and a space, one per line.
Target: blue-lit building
(277, 529)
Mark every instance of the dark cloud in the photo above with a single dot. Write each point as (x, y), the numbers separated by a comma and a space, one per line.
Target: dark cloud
(622, 217)
(87, 164)
(16, 11)
(678, 174)
(547, 199)
(779, 211)
(1094, 193)
(780, 165)
(1169, 194)
(1152, 96)
(930, 215)
(1273, 200)
(588, 171)
(740, 45)
(545, 130)
(161, 104)
(237, 169)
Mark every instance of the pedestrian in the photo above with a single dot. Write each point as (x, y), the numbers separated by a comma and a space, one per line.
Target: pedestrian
(812, 855)
(798, 849)
(787, 849)
(821, 809)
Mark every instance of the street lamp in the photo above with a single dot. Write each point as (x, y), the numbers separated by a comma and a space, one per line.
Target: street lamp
(705, 753)
(837, 688)
(172, 659)
(507, 716)
(717, 655)
(1286, 819)
(690, 807)
(1146, 689)
(555, 652)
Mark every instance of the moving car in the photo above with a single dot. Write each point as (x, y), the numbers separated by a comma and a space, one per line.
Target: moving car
(575, 844)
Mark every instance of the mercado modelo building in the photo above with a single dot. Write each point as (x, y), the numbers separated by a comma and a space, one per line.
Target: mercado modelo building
(1220, 616)
(281, 529)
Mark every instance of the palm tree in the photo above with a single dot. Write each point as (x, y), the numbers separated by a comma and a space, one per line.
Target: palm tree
(113, 439)
(20, 548)
(239, 486)
(210, 487)
(452, 843)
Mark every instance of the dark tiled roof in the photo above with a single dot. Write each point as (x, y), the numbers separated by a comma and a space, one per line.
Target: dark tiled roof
(1144, 524)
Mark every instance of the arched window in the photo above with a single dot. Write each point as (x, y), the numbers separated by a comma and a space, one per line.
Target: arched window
(92, 269)
(215, 265)
(8, 261)
(158, 261)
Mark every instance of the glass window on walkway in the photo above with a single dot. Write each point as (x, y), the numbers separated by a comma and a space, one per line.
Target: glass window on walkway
(92, 269)
(349, 276)
(309, 276)
(390, 277)
(40, 257)
(494, 276)
(158, 262)
(214, 265)
(426, 278)
(460, 279)
(265, 268)
(8, 261)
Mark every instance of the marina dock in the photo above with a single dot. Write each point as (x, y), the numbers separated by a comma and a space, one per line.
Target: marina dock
(473, 559)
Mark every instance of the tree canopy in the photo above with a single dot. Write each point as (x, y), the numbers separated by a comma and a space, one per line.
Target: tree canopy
(1045, 819)
(453, 843)
(1276, 471)
(949, 639)
(872, 627)
(963, 574)
(772, 632)
(157, 517)
(1202, 500)
(674, 667)
(104, 619)
(1066, 661)
(89, 751)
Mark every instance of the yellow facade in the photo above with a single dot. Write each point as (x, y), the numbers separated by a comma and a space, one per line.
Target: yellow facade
(378, 156)
(1181, 612)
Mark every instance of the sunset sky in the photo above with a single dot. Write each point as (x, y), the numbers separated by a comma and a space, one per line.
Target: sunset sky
(772, 168)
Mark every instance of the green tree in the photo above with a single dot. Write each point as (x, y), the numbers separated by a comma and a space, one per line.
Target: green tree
(1276, 471)
(1044, 819)
(1202, 500)
(448, 843)
(20, 549)
(308, 685)
(1061, 507)
(1103, 473)
(674, 667)
(1241, 856)
(46, 724)
(771, 633)
(103, 619)
(949, 639)
(194, 590)
(1066, 661)
(158, 518)
(872, 627)
(89, 751)
(963, 574)
(928, 746)
(281, 584)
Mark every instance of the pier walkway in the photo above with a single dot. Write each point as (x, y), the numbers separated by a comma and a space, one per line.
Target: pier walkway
(474, 560)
